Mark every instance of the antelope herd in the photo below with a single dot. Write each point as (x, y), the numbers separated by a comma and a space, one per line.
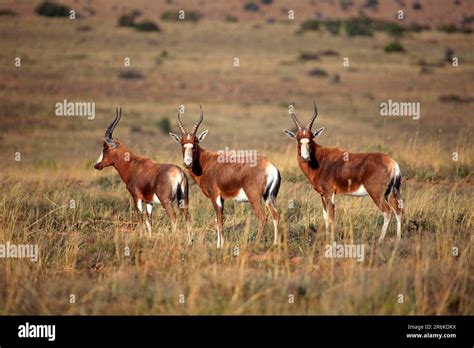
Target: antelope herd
(330, 171)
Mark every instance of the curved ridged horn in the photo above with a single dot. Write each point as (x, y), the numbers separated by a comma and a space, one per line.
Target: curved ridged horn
(315, 113)
(180, 124)
(293, 116)
(201, 117)
(110, 129)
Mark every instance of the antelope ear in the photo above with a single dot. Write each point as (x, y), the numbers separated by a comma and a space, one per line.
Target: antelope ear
(318, 132)
(202, 135)
(289, 133)
(175, 137)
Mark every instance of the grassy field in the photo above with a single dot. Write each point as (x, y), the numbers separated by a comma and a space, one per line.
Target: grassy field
(95, 250)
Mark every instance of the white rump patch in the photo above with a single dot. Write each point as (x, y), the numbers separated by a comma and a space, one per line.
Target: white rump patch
(155, 199)
(241, 197)
(396, 169)
(272, 178)
(176, 180)
(360, 192)
(101, 157)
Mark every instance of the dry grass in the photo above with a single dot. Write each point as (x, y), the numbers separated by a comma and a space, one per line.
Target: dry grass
(82, 250)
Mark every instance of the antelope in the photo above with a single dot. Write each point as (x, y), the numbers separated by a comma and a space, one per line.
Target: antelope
(242, 182)
(148, 182)
(332, 171)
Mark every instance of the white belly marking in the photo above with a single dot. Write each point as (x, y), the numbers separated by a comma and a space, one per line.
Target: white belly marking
(241, 197)
(360, 192)
(155, 199)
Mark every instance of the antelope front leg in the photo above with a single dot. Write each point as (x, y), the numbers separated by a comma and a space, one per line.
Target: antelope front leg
(139, 210)
(218, 204)
(325, 214)
(330, 207)
(148, 218)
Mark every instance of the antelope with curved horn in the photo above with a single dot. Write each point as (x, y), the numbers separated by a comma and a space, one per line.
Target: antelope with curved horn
(148, 182)
(332, 171)
(242, 182)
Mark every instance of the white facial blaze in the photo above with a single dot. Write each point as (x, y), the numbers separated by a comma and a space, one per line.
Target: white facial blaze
(188, 154)
(304, 149)
(101, 157)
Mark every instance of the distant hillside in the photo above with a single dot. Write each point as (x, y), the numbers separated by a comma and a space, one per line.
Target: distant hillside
(432, 13)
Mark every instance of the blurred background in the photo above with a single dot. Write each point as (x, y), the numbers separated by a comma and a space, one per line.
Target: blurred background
(188, 61)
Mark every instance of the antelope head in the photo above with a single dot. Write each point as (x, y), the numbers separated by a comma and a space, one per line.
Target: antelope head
(189, 141)
(111, 147)
(305, 135)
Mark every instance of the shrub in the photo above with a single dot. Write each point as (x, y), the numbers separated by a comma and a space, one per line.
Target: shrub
(310, 24)
(462, 171)
(126, 20)
(333, 26)
(454, 98)
(130, 75)
(372, 4)
(329, 52)
(251, 7)
(416, 27)
(169, 16)
(317, 72)
(451, 28)
(231, 19)
(164, 125)
(358, 27)
(51, 9)
(7, 12)
(346, 4)
(394, 29)
(147, 25)
(84, 28)
(266, 2)
(309, 56)
(393, 47)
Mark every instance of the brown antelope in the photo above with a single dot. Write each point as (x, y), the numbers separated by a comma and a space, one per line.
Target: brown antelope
(148, 182)
(332, 171)
(218, 180)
